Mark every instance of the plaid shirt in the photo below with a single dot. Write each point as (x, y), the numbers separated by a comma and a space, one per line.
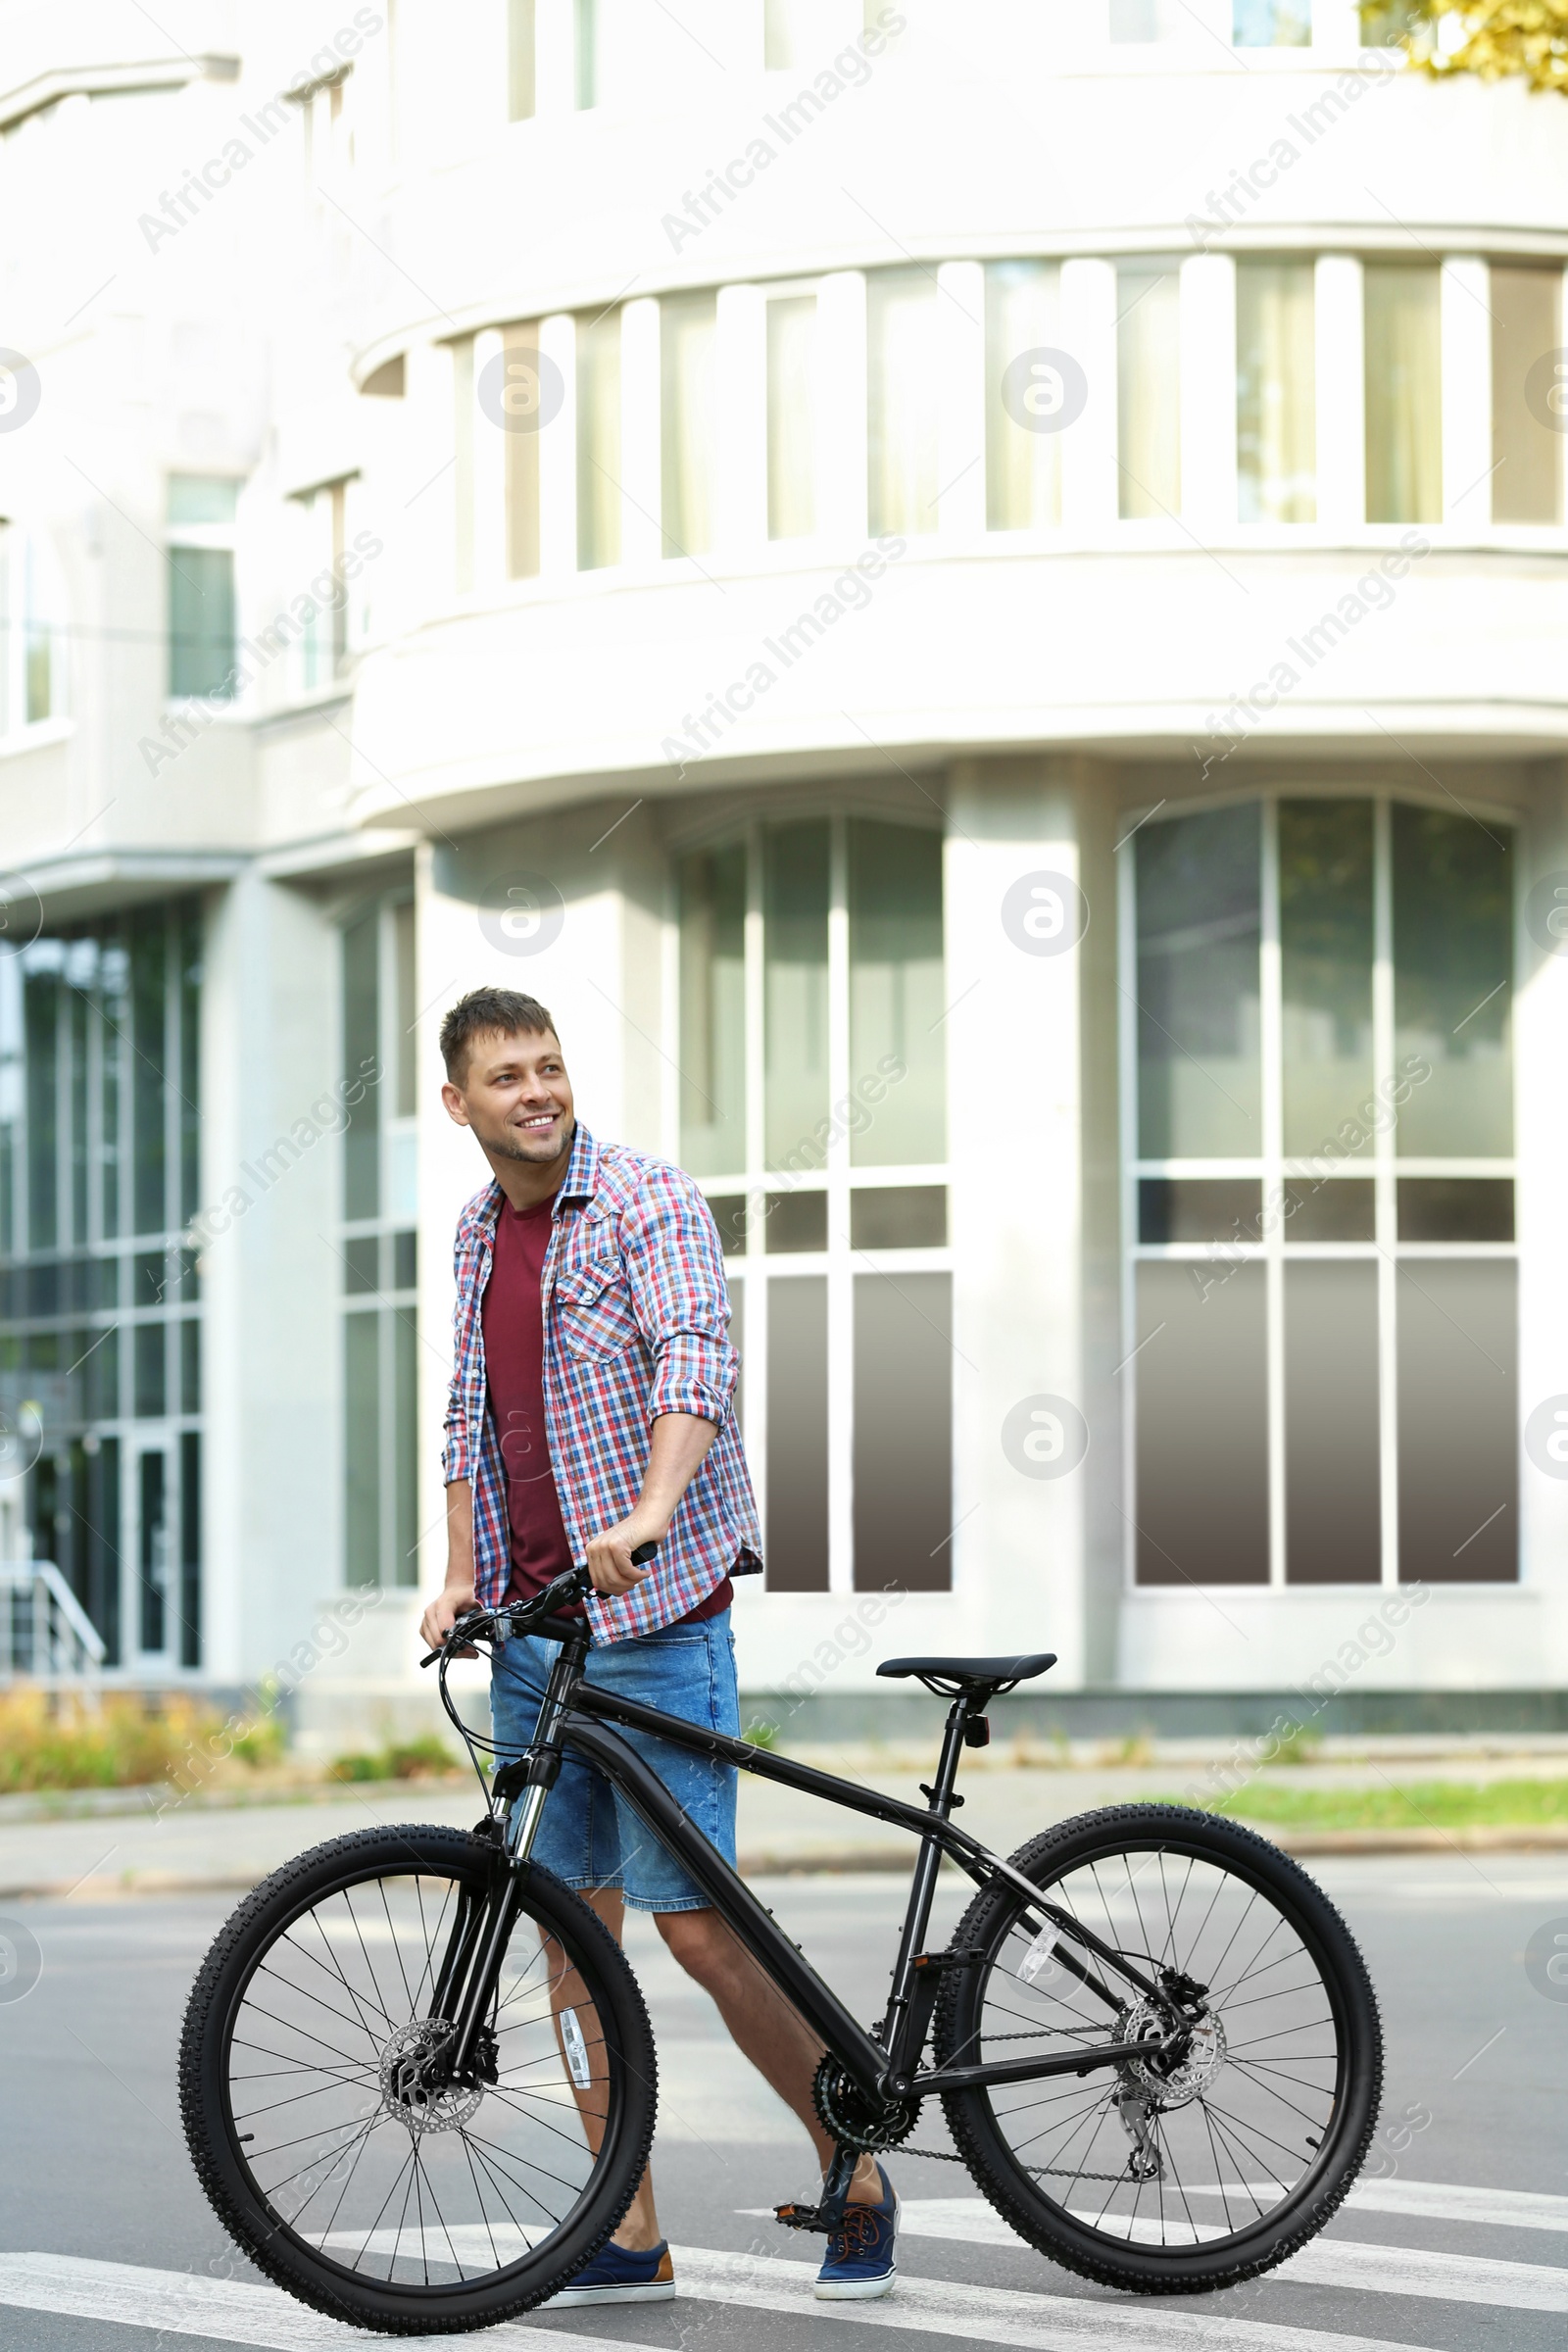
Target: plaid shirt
(636, 1315)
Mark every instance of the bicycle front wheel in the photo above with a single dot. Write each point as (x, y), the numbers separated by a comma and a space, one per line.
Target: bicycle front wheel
(340, 2160)
(1168, 2172)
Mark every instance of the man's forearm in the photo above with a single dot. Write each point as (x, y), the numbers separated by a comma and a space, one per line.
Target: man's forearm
(676, 1452)
(459, 1533)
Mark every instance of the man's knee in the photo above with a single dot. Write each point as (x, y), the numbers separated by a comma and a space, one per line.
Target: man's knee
(697, 1939)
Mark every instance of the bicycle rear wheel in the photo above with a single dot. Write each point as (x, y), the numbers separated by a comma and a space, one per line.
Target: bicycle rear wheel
(1165, 2176)
(331, 2158)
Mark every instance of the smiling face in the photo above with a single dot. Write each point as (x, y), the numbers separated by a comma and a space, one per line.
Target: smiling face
(517, 1097)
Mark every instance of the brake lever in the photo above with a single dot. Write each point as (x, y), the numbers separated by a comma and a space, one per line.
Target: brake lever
(461, 1632)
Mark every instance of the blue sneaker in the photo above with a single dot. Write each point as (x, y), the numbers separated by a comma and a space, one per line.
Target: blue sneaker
(616, 2275)
(859, 2264)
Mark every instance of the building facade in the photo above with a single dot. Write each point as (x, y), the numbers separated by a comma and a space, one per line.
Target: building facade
(977, 605)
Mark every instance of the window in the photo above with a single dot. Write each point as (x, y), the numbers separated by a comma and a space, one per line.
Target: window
(688, 420)
(100, 1316)
(1322, 1277)
(904, 374)
(323, 648)
(599, 441)
(33, 643)
(378, 1248)
(1148, 389)
(585, 53)
(1403, 393)
(520, 60)
(1023, 483)
(1529, 394)
(1271, 24)
(520, 349)
(813, 1109)
(1276, 441)
(792, 410)
(200, 532)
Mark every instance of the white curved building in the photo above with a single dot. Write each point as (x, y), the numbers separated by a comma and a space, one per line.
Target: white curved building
(975, 600)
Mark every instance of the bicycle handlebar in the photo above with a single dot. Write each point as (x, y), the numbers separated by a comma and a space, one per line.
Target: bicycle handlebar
(574, 1585)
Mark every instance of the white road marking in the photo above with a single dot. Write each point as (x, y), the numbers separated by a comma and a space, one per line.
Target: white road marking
(230, 2310)
(1325, 2262)
(1449, 2202)
(989, 2315)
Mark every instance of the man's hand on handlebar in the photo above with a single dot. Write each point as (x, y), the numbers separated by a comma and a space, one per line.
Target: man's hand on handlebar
(454, 1600)
(611, 1563)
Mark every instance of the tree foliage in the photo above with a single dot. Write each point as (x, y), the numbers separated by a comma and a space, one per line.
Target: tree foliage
(1494, 39)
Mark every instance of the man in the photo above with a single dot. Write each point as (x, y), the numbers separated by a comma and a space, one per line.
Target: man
(590, 1412)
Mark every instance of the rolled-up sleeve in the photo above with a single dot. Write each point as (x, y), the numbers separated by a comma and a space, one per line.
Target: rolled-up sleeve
(456, 1452)
(675, 1271)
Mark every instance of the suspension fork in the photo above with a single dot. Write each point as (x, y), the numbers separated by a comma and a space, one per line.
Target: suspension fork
(532, 1777)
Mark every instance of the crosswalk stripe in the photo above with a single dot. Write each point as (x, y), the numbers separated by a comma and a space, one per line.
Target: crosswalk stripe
(1449, 2202)
(231, 2310)
(991, 2315)
(1325, 2262)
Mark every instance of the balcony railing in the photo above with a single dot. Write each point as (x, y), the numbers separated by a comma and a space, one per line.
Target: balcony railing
(46, 1636)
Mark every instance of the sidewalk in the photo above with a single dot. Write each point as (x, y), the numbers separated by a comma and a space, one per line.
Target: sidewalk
(96, 1845)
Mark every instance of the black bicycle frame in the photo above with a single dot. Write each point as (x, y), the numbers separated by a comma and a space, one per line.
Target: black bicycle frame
(886, 2065)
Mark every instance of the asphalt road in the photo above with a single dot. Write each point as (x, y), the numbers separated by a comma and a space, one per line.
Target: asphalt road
(1461, 2246)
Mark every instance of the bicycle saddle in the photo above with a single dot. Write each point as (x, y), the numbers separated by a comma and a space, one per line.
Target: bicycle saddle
(952, 1675)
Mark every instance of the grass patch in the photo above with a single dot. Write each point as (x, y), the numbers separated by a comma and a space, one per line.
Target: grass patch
(120, 1743)
(1417, 1805)
(426, 1758)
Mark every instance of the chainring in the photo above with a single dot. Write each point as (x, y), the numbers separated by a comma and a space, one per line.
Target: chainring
(846, 2111)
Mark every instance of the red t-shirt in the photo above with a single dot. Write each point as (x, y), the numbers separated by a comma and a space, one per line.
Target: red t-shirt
(511, 1318)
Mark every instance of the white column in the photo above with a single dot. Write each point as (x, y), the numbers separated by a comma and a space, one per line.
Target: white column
(1340, 390)
(555, 54)
(1208, 389)
(641, 487)
(1336, 30)
(558, 454)
(421, 553)
(962, 443)
(841, 422)
(489, 475)
(1466, 331)
(1016, 1214)
(1089, 446)
(742, 372)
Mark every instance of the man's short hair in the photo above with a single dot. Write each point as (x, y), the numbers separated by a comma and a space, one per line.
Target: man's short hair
(489, 1013)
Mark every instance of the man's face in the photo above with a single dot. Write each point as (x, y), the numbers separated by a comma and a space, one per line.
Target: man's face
(517, 1097)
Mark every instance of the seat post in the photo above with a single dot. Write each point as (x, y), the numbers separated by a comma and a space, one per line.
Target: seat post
(922, 1889)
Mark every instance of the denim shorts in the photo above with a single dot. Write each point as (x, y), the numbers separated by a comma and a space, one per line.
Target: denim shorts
(589, 1835)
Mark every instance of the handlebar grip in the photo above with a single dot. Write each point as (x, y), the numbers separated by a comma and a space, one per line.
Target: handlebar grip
(643, 1554)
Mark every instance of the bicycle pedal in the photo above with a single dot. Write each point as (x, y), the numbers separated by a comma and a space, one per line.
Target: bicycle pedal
(800, 2217)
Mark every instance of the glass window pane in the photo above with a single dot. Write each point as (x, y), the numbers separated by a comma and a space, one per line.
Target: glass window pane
(712, 885)
(598, 440)
(795, 894)
(404, 1449)
(103, 1598)
(521, 346)
(77, 1048)
(190, 1058)
(102, 1368)
(150, 1384)
(1333, 1508)
(1319, 1210)
(728, 1211)
(149, 954)
(361, 1264)
(1148, 389)
(42, 1018)
(1455, 1208)
(1325, 965)
(1189, 1209)
(405, 1270)
(1528, 392)
(520, 60)
(898, 1068)
(1271, 24)
(113, 975)
(361, 1450)
(1276, 430)
(585, 57)
(796, 1221)
(795, 1546)
(152, 1553)
(1452, 974)
(202, 497)
(404, 1011)
(1203, 1425)
(1403, 393)
(792, 416)
(1458, 1437)
(688, 420)
(1023, 477)
(1199, 1084)
(904, 377)
(361, 1056)
(201, 621)
(190, 1548)
(190, 1366)
(899, 1217)
(902, 1432)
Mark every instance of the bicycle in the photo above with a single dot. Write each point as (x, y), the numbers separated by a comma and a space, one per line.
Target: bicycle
(1151, 2035)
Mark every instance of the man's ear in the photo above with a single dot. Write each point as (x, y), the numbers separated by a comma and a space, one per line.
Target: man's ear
(456, 1108)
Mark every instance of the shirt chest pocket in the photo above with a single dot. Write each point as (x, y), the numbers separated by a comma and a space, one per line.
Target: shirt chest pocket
(593, 1311)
